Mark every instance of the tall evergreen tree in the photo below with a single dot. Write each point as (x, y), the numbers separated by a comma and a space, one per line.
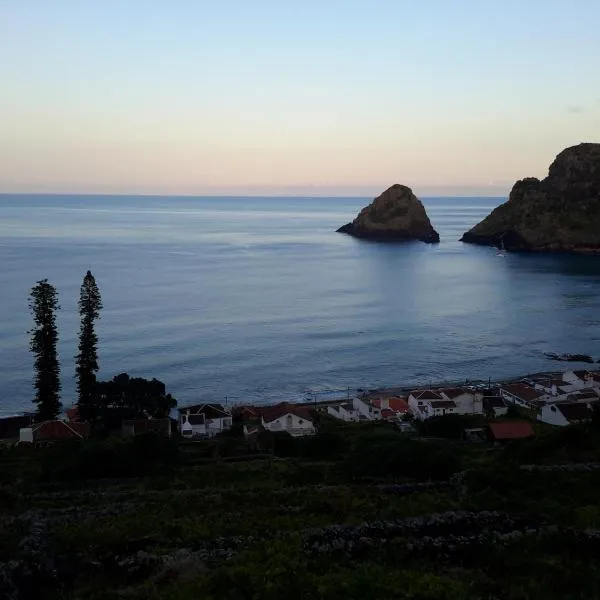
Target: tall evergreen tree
(90, 304)
(43, 304)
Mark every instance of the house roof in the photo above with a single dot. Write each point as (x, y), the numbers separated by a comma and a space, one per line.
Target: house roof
(582, 395)
(510, 430)
(426, 395)
(452, 393)
(522, 391)
(386, 413)
(581, 374)
(574, 412)
(281, 410)
(195, 419)
(395, 403)
(60, 430)
(10, 426)
(399, 404)
(443, 404)
(210, 411)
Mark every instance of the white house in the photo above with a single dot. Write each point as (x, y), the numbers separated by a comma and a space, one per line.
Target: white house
(365, 410)
(424, 404)
(554, 385)
(192, 426)
(344, 411)
(523, 395)
(204, 420)
(468, 402)
(295, 420)
(582, 379)
(565, 413)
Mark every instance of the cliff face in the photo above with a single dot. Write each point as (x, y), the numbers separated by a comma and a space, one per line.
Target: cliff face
(560, 213)
(396, 215)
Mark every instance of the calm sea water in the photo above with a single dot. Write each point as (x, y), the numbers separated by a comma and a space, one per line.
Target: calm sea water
(258, 299)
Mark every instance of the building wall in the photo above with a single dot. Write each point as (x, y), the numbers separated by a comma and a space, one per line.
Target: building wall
(218, 425)
(551, 414)
(295, 425)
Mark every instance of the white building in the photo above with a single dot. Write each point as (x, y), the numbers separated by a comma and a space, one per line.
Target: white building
(365, 410)
(295, 420)
(565, 413)
(468, 402)
(344, 411)
(524, 395)
(582, 379)
(424, 404)
(204, 420)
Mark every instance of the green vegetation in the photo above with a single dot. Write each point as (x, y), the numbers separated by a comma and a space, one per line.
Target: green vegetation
(356, 511)
(43, 304)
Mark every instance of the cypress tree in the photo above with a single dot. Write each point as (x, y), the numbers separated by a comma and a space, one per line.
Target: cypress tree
(43, 304)
(90, 304)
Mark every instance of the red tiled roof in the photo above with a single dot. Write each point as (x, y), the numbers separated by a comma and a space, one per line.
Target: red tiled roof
(523, 391)
(443, 404)
(59, 430)
(386, 413)
(283, 409)
(511, 430)
(399, 404)
(394, 403)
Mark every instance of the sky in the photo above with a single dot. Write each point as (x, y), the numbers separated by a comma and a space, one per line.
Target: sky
(319, 97)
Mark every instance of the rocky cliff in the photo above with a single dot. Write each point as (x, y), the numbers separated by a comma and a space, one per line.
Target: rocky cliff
(559, 213)
(396, 215)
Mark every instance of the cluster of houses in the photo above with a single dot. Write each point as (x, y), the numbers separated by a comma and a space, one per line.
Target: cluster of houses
(556, 398)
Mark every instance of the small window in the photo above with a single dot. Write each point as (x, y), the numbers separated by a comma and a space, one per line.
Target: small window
(300, 421)
(553, 408)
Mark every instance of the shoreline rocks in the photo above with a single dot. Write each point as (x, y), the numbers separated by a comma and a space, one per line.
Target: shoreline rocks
(397, 215)
(560, 213)
(586, 358)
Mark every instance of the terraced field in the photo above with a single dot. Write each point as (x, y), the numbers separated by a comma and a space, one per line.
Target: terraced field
(304, 528)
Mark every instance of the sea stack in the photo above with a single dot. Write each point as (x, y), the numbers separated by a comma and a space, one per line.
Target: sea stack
(397, 215)
(560, 213)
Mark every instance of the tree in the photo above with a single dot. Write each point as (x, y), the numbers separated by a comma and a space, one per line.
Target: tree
(127, 397)
(43, 304)
(90, 304)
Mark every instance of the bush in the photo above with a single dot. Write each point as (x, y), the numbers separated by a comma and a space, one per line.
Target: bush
(114, 457)
(447, 426)
(400, 458)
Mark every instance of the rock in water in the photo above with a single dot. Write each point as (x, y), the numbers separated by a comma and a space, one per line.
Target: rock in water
(561, 213)
(396, 215)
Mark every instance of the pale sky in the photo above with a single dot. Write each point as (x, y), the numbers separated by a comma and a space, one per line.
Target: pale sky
(292, 97)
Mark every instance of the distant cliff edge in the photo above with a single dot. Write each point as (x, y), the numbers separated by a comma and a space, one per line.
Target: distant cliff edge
(561, 213)
(395, 215)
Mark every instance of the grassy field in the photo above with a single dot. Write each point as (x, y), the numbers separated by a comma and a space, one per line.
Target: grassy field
(358, 511)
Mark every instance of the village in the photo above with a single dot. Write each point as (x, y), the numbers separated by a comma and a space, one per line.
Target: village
(556, 398)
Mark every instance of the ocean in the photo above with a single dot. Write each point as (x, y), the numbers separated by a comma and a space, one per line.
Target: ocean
(260, 300)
